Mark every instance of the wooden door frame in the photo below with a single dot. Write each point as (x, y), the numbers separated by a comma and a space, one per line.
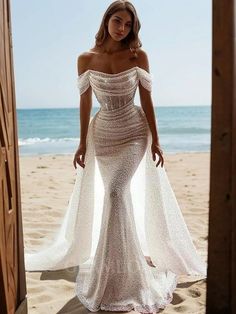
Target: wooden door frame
(12, 268)
(221, 279)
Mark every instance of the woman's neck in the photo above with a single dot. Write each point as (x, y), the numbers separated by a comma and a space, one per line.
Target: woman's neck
(110, 46)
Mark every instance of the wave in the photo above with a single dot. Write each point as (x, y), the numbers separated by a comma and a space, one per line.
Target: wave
(38, 140)
(170, 131)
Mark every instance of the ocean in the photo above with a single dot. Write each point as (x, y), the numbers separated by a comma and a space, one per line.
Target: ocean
(57, 131)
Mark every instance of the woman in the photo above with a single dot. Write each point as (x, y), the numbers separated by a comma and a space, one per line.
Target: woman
(130, 247)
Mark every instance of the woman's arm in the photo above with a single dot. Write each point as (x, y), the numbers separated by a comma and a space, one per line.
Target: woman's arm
(85, 109)
(148, 108)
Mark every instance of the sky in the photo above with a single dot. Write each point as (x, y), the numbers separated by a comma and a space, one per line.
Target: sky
(48, 36)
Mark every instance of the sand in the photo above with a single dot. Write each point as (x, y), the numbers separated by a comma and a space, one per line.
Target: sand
(46, 184)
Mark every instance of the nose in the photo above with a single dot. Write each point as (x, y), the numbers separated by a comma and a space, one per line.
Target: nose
(121, 27)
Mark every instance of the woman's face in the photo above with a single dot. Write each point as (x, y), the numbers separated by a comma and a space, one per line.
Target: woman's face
(119, 25)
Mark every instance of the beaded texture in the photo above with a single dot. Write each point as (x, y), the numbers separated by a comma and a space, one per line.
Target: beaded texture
(122, 208)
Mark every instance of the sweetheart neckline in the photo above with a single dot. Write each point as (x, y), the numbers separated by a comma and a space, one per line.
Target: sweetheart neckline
(113, 74)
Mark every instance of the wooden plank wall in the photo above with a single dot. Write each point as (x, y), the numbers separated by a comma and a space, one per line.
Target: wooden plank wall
(221, 289)
(12, 272)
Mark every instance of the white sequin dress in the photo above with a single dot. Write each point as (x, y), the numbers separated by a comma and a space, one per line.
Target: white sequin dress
(122, 209)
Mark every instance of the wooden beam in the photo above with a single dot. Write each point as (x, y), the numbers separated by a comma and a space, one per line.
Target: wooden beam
(12, 270)
(221, 246)
(233, 175)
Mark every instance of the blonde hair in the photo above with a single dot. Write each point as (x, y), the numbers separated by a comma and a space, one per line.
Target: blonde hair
(132, 40)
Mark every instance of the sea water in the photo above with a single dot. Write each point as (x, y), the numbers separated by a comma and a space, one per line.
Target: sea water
(57, 131)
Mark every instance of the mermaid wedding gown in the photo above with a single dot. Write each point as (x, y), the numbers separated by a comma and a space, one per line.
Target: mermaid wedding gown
(121, 210)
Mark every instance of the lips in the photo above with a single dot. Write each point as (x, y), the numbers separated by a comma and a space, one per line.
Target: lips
(119, 34)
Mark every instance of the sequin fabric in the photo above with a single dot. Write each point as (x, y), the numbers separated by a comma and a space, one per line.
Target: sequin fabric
(122, 208)
(119, 278)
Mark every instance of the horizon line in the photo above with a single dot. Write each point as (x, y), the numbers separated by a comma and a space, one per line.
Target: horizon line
(162, 106)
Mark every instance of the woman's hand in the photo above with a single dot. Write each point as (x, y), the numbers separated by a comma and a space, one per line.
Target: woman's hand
(156, 149)
(80, 152)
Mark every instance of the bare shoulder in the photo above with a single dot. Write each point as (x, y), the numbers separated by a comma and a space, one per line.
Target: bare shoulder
(83, 61)
(142, 59)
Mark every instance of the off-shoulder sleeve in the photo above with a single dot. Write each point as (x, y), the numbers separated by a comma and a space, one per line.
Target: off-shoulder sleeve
(83, 82)
(145, 79)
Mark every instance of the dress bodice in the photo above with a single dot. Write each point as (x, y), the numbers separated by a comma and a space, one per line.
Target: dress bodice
(114, 90)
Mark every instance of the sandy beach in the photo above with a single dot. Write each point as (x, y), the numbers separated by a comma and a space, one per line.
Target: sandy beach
(46, 184)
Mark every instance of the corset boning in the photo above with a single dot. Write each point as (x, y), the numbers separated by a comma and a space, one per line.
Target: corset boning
(119, 123)
(114, 102)
(119, 127)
